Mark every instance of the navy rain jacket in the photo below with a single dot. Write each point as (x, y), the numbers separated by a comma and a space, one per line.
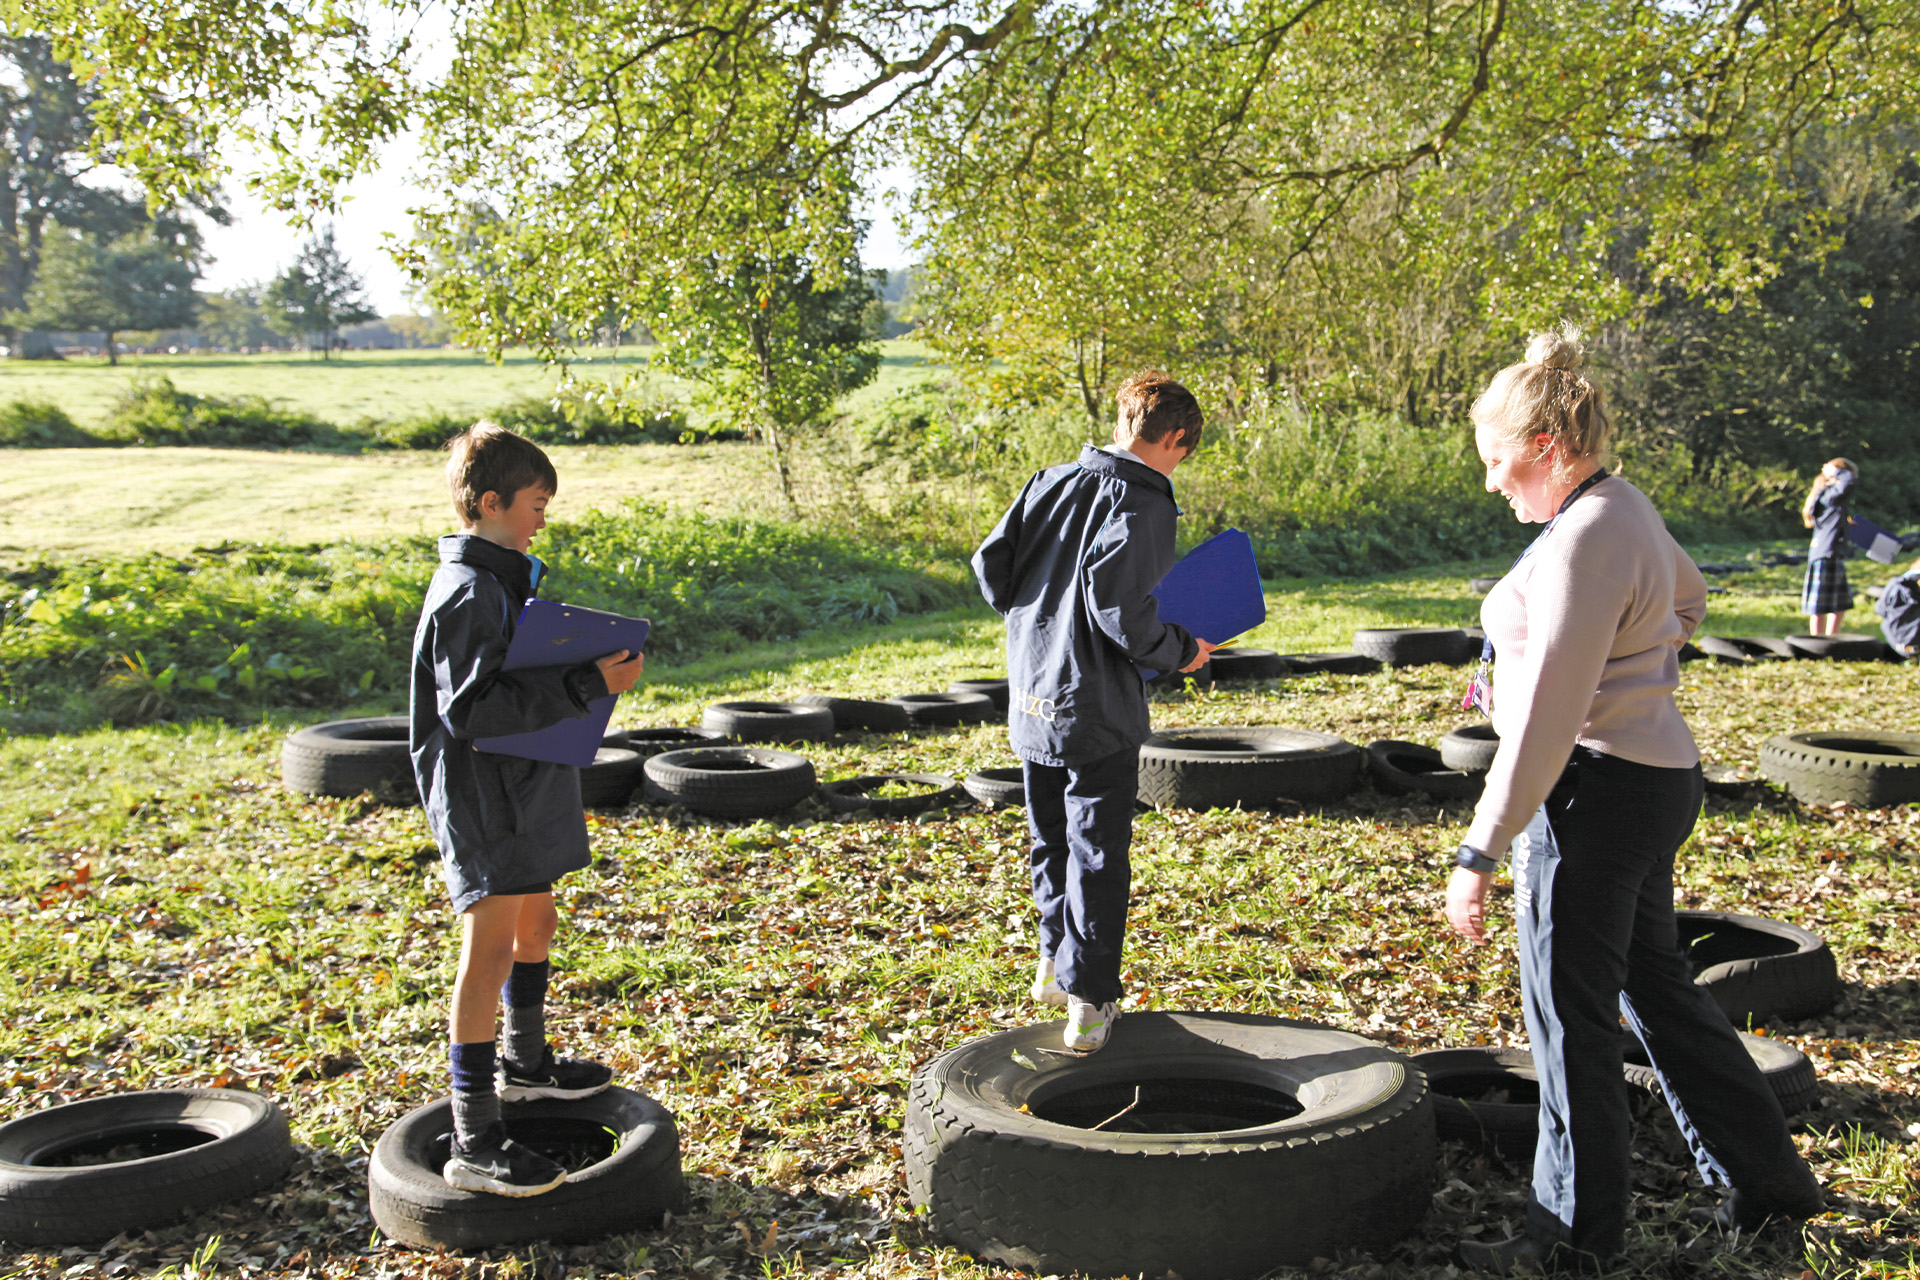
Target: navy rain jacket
(1830, 520)
(1899, 610)
(1070, 566)
(501, 822)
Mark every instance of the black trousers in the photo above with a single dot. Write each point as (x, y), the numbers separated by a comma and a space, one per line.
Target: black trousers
(1593, 889)
(1082, 824)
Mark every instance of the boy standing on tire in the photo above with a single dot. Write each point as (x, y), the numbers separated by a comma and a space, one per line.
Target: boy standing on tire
(507, 827)
(1070, 567)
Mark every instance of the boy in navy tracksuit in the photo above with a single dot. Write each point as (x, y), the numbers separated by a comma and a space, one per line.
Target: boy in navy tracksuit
(1899, 610)
(507, 827)
(1070, 566)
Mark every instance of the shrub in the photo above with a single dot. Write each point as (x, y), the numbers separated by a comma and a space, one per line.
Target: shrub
(41, 424)
(232, 630)
(155, 412)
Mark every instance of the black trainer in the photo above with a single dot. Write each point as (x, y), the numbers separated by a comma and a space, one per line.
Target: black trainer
(497, 1164)
(552, 1077)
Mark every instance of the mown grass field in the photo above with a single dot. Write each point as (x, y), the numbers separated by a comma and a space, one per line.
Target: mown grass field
(361, 384)
(172, 916)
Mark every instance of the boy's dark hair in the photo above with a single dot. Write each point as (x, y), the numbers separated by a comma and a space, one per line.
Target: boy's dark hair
(486, 457)
(1154, 406)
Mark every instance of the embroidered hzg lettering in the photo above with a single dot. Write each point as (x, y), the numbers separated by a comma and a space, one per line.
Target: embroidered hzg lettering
(1034, 705)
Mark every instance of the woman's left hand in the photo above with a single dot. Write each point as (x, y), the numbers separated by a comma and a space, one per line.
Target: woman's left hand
(1467, 903)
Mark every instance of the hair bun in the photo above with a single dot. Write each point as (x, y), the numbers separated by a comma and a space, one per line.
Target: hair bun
(1558, 348)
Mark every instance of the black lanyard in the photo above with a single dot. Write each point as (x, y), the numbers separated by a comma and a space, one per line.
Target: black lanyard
(1486, 643)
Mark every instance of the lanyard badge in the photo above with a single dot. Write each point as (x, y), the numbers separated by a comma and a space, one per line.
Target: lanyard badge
(1480, 690)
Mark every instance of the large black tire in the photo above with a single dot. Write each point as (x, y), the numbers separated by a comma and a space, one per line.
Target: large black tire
(1788, 1072)
(1415, 646)
(1488, 1096)
(1258, 1142)
(1766, 647)
(1845, 647)
(769, 721)
(854, 795)
(1400, 768)
(149, 1157)
(651, 740)
(1223, 767)
(1233, 665)
(1759, 970)
(609, 781)
(730, 782)
(995, 687)
(1331, 664)
(348, 757)
(1871, 770)
(1470, 748)
(1689, 652)
(1480, 586)
(1724, 651)
(998, 788)
(934, 710)
(859, 713)
(635, 1179)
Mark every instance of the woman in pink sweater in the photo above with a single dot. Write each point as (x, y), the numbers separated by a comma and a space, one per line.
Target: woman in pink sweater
(1595, 787)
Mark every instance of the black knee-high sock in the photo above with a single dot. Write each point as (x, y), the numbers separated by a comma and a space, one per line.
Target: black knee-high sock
(525, 995)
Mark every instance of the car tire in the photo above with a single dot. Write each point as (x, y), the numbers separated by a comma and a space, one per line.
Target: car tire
(1480, 586)
(998, 788)
(854, 795)
(1232, 666)
(995, 687)
(1870, 770)
(1486, 1096)
(1839, 648)
(609, 781)
(1690, 652)
(1759, 970)
(650, 741)
(1225, 767)
(1787, 1071)
(1331, 664)
(859, 714)
(1722, 650)
(67, 1177)
(1402, 768)
(733, 783)
(628, 1188)
(941, 710)
(1262, 1142)
(769, 721)
(1470, 748)
(1416, 646)
(351, 757)
(1766, 648)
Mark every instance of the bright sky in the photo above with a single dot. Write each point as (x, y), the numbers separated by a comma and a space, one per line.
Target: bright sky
(261, 243)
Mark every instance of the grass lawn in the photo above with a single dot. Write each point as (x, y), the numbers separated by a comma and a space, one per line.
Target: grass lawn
(171, 916)
(360, 384)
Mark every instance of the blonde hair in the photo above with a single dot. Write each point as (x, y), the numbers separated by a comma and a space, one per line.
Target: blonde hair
(1547, 394)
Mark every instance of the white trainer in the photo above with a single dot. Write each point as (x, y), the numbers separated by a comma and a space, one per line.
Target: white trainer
(1088, 1025)
(1046, 988)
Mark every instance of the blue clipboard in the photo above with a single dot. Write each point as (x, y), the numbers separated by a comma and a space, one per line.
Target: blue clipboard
(1879, 545)
(1214, 590)
(564, 635)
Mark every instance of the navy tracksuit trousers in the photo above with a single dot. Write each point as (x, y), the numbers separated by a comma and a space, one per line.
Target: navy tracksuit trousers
(1593, 889)
(1081, 818)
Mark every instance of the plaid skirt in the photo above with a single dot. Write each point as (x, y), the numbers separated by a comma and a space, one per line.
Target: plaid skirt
(1826, 590)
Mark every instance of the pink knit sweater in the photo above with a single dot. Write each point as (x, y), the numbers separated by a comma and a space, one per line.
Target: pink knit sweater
(1587, 631)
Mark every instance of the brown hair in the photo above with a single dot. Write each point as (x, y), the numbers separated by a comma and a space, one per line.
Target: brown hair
(1154, 406)
(1547, 393)
(1843, 464)
(487, 458)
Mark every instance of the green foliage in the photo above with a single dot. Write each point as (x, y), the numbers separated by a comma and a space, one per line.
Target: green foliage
(133, 282)
(313, 298)
(232, 630)
(155, 412)
(41, 424)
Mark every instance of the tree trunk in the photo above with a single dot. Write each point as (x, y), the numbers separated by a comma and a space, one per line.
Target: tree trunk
(113, 357)
(770, 390)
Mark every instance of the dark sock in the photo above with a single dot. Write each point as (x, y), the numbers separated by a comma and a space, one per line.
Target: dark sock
(525, 994)
(476, 1104)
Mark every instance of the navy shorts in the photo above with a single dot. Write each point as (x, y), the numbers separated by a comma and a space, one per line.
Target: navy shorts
(1826, 590)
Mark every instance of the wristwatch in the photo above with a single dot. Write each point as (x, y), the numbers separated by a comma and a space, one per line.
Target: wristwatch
(1474, 860)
